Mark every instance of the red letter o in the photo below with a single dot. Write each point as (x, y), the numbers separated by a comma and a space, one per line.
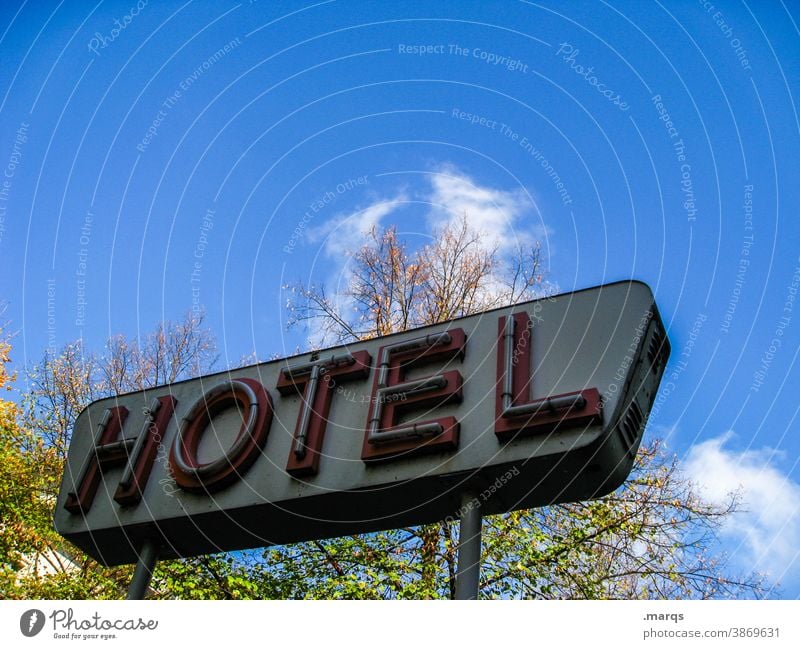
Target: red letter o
(255, 404)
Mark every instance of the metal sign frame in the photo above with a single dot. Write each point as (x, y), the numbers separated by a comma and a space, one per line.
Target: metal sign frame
(381, 434)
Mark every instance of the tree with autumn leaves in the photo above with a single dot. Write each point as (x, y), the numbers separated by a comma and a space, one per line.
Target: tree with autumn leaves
(29, 477)
(654, 537)
(35, 562)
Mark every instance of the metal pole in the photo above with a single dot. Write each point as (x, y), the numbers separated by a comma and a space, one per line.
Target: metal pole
(469, 548)
(144, 570)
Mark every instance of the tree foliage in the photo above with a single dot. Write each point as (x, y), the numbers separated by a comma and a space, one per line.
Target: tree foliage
(36, 561)
(392, 288)
(652, 538)
(63, 385)
(31, 564)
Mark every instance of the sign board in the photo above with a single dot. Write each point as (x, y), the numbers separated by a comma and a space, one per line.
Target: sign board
(523, 406)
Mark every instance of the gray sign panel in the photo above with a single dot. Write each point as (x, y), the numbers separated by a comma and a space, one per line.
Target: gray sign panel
(523, 406)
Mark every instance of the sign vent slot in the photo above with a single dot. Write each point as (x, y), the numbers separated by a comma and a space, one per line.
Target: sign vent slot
(631, 426)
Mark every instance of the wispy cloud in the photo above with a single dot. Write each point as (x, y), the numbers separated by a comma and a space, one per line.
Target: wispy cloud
(507, 218)
(344, 233)
(766, 533)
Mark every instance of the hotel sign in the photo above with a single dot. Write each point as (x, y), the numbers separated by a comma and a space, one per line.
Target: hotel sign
(547, 399)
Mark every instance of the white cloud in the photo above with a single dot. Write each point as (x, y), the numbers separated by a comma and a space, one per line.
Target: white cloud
(344, 233)
(767, 532)
(503, 216)
(507, 218)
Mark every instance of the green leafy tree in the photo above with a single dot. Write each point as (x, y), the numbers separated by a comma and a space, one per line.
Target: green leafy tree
(652, 538)
(36, 561)
(33, 558)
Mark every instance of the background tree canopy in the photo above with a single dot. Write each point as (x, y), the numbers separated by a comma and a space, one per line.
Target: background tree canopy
(652, 538)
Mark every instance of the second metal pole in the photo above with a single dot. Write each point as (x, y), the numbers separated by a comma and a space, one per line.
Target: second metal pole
(469, 548)
(144, 570)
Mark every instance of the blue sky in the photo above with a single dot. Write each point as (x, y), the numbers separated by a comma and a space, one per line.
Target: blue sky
(163, 153)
